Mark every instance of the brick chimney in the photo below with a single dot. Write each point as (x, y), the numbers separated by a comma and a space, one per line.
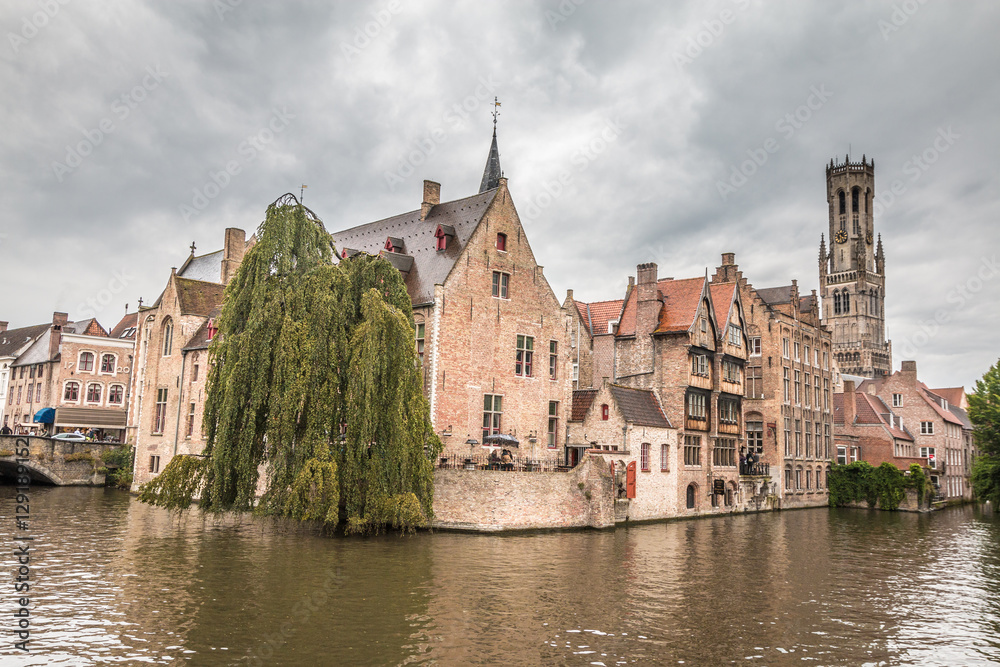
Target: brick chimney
(233, 249)
(728, 272)
(432, 197)
(3, 326)
(59, 320)
(850, 407)
(908, 372)
(647, 300)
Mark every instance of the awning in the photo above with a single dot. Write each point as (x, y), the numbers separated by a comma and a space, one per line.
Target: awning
(90, 417)
(45, 416)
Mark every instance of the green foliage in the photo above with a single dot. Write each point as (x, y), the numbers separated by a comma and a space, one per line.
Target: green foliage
(120, 460)
(314, 380)
(884, 486)
(176, 485)
(984, 412)
(80, 456)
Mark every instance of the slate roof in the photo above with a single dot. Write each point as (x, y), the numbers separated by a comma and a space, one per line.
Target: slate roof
(126, 327)
(199, 341)
(597, 314)
(962, 415)
(198, 297)
(582, 400)
(806, 303)
(492, 172)
(206, 267)
(12, 340)
(775, 295)
(639, 406)
(429, 267)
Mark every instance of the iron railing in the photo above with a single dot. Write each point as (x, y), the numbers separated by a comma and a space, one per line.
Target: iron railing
(485, 462)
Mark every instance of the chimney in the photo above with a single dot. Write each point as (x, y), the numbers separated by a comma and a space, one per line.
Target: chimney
(728, 272)
(647, 302)
(233, 249)
(3, 326)
(728, 258)
(59, 320)
(850, 407)
(569, 296)
(908, 372)
(432, 197)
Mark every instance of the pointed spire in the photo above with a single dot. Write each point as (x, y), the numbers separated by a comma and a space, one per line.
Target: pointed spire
(492, 172)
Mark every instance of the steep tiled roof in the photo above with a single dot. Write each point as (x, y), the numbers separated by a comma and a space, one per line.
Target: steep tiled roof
(806, 303)
(775, 295)
(597, 314)
(126, 327)
(722, 301)
(430, 266)
(88, 327)
(639, 406)
(954, 395)
(869, 411)
(12, 340)
(198, 297)
(932, 400)
(680, 303)
(582, 399)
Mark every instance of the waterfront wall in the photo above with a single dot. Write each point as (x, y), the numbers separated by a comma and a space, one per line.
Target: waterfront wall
(58, 462)
(498, 500)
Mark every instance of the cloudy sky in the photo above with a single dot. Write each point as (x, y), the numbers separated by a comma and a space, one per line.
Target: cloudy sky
(131, 129)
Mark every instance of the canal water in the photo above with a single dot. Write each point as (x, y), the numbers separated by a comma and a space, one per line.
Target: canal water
(116, 582)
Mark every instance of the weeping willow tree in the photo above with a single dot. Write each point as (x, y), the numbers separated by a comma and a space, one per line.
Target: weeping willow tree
(314, 397)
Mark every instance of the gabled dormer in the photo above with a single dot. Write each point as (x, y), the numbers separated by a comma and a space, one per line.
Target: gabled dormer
(443, 235)
(394, 244)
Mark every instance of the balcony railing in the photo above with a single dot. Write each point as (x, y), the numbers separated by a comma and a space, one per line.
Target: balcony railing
(485, 462)
(758, 469)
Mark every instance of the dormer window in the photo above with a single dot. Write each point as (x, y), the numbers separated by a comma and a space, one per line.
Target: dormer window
(393, 244)
(502, 242)
(212, 329)
(441, 236)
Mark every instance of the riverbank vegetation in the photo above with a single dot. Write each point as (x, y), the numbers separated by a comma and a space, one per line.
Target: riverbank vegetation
(119, 462)
(314, 384)
(883, 487)
(984, 413)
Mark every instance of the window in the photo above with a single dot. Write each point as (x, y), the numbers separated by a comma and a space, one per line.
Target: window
(897, 400)
(696, 406)
(788, 479)
(86, 362)
(808, 377)
(38, 393)
(926, 428)
(108, 363)
(19, 389)
(704, 325)
(441, 239)
(724, 453)
(729, 412)
(501, 281)
(604, 411)
(816, 392)
(31, 372)
(735, 336)
(796, 350)
(492, 409)
(843, 204)
(819, 478)
(798, 387)
(755, 437)
(212, 329)
(798, 479)
(855, 453)
(168, 337)
(154, 464)
(798, 437)
(72, 391)
(788, 436)
(755, 346)
(699, 365)
(784, 347)
(664, 458)
(806, 358)
(730, 371)
(190, 421)
(826, 394)
(690, 496)
(826, 441)
(523, 355)
(553, 359)
(160, 416)
(420, 329)
(836, 302)
(809, 439)
(576, 372)
(553, 424)
(644, 456)
(502, 242)
(115, 394)
(94, 392)
(809, 479)
(847, 301)
(755, 382)
(786, 383)
(692, 450)
(826, 361)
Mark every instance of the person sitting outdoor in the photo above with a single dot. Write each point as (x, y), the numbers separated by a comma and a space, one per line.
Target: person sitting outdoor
(507, 459)
(494, 461)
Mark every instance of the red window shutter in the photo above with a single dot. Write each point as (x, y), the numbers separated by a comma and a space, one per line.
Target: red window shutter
(604, 411)
(630, 480)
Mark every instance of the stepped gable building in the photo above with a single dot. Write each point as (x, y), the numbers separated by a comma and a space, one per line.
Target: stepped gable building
(71, 376)
(868, 430)
(789, 383)
(852, 273)
(492, 338)
(593, 339)
(685, 340)
(172, 339)
(939, 433)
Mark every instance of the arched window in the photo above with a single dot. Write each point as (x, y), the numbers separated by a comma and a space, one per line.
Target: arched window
(94, 392)
(108, 362)
(115, 394)
(604, 411)
(168, 337)
(836, 302)
(843, 202)
(846, 301)
(690, 496)
(855, 199)
(72, 391)
(86, 361)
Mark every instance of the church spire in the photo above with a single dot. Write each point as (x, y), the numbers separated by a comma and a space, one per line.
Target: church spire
(492, 172)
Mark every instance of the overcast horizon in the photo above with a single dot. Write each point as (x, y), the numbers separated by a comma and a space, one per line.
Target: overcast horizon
(629, 134)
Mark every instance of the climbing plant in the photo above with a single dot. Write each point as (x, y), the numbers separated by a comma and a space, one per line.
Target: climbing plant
(984, 413)
(883, 487)
(314, 383)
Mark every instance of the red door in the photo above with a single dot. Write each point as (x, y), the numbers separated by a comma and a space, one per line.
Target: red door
(630, 480)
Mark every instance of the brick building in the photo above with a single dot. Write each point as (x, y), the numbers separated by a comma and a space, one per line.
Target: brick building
(172, 339)
(72, 376)
(592, 339)
(868, 430)
(492, 338)
(937, 431)
(789, 383)
(685, 341)
(12, 343)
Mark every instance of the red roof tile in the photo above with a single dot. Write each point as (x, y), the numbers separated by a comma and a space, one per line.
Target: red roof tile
(582, 399)
(680, 303)
(954, 395)
(598, 314)
(722, 300)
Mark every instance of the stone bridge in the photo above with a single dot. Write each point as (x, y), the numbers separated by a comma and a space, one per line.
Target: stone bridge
(50, 461)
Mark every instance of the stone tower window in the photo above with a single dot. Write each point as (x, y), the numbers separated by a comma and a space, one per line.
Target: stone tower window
(855, 196)
(843, 202)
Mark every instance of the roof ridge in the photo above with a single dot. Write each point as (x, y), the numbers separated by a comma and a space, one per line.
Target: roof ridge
(413, 211)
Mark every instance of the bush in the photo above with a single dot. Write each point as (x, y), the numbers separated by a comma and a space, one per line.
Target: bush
(883, 487)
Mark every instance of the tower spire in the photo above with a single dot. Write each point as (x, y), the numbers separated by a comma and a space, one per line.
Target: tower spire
(492, 172)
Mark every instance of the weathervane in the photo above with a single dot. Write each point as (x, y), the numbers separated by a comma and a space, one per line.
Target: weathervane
(302, 192)
(496, 113)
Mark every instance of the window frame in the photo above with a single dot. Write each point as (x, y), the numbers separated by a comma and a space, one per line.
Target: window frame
(114, 363)
(88, 365)
(524, 354)
(120, 393)
(500, 288)
(492, 413)
(66, 388)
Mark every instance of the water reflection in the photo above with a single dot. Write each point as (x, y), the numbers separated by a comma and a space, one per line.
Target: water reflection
(120, 582)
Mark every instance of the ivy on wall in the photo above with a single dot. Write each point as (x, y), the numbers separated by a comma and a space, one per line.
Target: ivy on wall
(883, 487)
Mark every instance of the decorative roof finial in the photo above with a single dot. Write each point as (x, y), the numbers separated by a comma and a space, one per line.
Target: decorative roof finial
(192, 247)
(496, 105)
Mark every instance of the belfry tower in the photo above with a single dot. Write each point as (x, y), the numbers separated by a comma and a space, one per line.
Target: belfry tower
(852, 273)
